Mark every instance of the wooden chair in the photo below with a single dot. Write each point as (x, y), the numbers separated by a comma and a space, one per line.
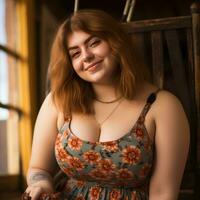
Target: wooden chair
(170, 48)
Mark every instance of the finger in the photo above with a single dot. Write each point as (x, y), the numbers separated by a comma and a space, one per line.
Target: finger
(28, 189)
(25, 196)
(35, 193)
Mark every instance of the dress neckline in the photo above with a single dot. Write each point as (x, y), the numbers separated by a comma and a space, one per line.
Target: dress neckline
(139, 122)
(130, 132)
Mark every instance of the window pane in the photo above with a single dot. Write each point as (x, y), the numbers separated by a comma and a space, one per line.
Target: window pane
(8, 23)
(9, 144)
(8, 81)
(3, 83)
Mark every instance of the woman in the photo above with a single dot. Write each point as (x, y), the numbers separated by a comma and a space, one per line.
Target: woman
(113, 134)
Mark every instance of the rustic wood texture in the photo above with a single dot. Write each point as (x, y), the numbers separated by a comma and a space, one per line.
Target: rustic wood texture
(175, 65)
(157, 58)
(195, 9)
(159, 24)
(176, 60)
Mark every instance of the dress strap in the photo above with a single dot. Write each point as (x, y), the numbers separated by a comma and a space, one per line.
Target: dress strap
(151, 98)
(65, 125)
(67, 118)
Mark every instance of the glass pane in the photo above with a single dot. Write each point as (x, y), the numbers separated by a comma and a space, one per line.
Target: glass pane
(3, 83)
(9, 144)
(8, 81)
(8, 23)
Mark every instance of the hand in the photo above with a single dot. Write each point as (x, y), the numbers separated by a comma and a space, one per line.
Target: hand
(36, 190)
(39, 182)
(43, 196)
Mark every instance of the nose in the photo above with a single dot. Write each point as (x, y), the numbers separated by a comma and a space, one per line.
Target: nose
(87, 55)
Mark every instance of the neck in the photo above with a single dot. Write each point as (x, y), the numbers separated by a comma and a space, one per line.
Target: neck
(105, 92)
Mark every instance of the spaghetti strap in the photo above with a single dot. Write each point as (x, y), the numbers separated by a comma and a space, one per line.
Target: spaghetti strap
(65, 125)
(67, 118)
(150, 99)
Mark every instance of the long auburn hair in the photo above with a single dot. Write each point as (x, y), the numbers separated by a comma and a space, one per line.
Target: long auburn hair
(71, 93)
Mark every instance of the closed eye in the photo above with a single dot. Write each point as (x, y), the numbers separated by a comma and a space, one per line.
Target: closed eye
(75, 54)
(95, 43)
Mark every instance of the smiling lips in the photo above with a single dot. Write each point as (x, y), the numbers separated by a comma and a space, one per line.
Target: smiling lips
(92, 66)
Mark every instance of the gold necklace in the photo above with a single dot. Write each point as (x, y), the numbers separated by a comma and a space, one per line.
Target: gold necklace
(109, 115)
(107, 102)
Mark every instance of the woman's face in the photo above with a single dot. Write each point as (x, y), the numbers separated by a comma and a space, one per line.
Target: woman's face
(91, 57)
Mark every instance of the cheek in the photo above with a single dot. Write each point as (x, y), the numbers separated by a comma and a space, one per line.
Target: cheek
(76, 65)
(106, 51)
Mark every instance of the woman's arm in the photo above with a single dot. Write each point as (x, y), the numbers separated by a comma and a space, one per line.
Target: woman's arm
(171, 147)
(42, 164)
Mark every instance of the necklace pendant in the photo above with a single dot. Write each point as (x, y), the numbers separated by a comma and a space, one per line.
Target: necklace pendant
(99, 128)
(99, 131)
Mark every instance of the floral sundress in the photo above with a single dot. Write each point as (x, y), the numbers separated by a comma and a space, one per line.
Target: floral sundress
(113, 170)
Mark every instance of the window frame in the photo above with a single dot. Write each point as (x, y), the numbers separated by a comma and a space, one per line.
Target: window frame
(27, 108)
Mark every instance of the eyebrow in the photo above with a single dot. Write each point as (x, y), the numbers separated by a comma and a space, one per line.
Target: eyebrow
(85, 42)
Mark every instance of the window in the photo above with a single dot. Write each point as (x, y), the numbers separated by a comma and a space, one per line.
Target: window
(16, 115)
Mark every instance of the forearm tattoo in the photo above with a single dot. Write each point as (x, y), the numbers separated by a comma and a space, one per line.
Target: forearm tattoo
(39, 176)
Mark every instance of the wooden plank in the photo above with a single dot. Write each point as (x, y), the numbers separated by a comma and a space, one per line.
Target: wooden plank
(177, 66)
(190, 56)
(191, 84)
(142, 54)
(195, 10)
(139, 45)
(157, 58)
(158, 24)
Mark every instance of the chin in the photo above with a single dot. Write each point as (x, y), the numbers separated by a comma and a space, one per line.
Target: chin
(97, 79)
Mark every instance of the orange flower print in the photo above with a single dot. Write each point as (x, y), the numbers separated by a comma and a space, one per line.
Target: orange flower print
(75, 144)
(94, 193)
(58, 140)
(106, 165)
(92, 157)
(145, 170)
(98, 174)
(61, 154)
(80, 183)
(139, 134)
(65, 134)
(114, 195)
(80, 197)
(131, 155)
(68, 171)
(125, 174)
(110, 146)
(134, 196)
(75, 163)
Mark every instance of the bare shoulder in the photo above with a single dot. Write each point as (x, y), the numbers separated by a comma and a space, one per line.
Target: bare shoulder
(169, 114)
(48, 110)
(51, 107)
(167, 102)
(49, 101)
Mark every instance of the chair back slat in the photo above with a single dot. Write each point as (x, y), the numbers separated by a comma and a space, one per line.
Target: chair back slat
(177, 66)
(170, 48)
(157, 58)
(142, 26)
